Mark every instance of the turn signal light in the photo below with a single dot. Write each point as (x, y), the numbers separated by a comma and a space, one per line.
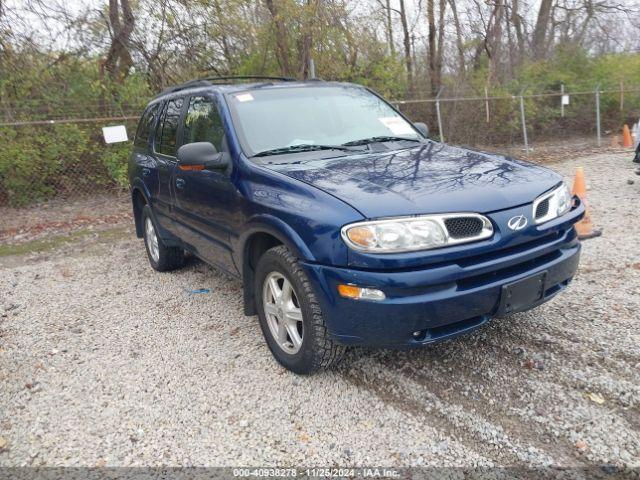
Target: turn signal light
(359, 293)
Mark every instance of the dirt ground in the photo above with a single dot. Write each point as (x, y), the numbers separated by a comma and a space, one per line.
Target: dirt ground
(105, 362)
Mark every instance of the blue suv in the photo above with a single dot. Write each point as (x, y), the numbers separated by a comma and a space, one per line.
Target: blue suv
(346, 224)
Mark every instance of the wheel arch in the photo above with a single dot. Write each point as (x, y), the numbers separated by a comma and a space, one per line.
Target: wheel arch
(138, 200)
(260, 237)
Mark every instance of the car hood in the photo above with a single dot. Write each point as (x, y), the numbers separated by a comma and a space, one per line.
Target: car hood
(430, 178)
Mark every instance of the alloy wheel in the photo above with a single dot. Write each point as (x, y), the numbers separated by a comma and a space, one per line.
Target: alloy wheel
(283, 313)
(152, 240)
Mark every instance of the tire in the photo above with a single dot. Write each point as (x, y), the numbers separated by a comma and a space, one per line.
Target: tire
(161, 257)
(316, 350)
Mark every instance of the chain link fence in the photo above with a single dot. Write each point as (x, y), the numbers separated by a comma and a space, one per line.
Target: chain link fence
(57, 151)
(521, 123)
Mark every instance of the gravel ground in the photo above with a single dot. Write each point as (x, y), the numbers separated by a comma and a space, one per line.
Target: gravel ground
(105, 362)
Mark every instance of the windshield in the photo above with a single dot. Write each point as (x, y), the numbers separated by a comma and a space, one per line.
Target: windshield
(279, 119)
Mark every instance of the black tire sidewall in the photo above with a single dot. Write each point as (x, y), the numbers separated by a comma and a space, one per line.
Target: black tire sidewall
(303, 360)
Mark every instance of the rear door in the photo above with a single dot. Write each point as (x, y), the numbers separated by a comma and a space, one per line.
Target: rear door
(205, 200)
(165, 147)
(145, 164)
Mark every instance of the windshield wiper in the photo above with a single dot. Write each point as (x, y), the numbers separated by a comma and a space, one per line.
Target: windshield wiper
(366, 141)
(306, 147)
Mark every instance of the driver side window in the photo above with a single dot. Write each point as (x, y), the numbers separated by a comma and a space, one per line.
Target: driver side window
(167, 132)
(203, 123)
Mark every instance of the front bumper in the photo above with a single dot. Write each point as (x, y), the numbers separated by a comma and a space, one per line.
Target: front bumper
(445, 299)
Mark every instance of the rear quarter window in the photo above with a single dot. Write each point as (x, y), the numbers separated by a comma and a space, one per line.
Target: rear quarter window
(145, 126)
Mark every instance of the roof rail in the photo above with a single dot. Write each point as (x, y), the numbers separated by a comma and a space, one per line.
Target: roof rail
(249, 77)
(203, 82)
(182, 86)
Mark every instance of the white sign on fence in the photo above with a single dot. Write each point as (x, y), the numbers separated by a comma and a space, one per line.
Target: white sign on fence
(565, 99)
(115, 134)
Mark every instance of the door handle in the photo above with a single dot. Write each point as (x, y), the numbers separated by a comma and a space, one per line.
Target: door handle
(180, 182)
(146, 171)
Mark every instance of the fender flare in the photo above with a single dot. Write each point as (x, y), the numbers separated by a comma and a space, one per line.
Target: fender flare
(276, 228)
(139, 185)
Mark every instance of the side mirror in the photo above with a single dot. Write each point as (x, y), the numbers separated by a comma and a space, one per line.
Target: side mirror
(422, 128)
(201, 156)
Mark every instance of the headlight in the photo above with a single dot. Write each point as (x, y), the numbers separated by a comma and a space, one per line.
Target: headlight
(552, 204)
(412, 233)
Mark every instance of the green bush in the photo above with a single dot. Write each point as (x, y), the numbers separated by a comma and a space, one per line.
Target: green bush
(40, 162)
(115, 159)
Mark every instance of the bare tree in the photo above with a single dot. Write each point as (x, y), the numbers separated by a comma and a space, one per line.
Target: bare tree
(539, 39)
(282, 43)
(407, 44)
(118, 61)
(309, 15)
(459, 41)
(435, 43)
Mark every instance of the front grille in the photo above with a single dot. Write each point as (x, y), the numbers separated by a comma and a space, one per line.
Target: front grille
(464, 227)
(543, 208)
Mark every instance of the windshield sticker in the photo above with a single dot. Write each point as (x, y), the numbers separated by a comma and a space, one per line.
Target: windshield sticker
(397, 125)
(244, 97)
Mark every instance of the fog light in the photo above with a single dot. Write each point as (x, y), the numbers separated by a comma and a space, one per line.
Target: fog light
(360, 293)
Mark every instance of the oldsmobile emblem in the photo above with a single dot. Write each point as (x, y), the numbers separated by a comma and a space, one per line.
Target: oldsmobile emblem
(517, 223)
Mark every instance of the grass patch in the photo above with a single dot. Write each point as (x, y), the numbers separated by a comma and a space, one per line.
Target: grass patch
(52, 243)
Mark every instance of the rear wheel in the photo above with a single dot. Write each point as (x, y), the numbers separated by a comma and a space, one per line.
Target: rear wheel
(161, 257)
(290, 315)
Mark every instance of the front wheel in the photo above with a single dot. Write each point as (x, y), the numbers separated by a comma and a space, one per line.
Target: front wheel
(290, 315)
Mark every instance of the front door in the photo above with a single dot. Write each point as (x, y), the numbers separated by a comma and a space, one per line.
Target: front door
(205, 199)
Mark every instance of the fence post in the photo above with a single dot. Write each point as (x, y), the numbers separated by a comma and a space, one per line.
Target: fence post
(486, 103)
(438, 114)
(562, 100)
(312, 68)
(523, 121)
(598, 114)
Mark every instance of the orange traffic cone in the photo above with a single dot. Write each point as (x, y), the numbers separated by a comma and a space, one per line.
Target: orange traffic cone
(584, 227)
(627, 141)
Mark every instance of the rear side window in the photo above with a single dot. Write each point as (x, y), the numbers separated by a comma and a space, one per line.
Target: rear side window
(203, 123)
(167, 133)
(146, 126)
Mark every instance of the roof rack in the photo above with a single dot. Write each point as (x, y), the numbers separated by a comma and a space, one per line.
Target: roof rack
(204, 82)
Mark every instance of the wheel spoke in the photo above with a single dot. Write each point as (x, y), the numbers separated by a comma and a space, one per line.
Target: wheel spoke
(275, 288)
(292, 330)
(286, 291)
(282, 332)
(270, 309)
(293, 315)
